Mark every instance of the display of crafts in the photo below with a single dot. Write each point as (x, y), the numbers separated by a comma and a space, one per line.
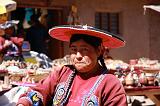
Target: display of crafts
(34, 68)
(22, 72)
(62, 61)
(138, 72)
(114, 64)
(130, 74)
(146, 63)
(140, 80)
(16, 67)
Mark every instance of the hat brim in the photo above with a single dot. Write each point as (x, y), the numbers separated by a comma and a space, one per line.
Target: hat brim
(64, 33)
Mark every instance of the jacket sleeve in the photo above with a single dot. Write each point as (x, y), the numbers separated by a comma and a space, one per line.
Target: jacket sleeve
(114, 93)
(2, 40)
(17, 40)
(42, 93)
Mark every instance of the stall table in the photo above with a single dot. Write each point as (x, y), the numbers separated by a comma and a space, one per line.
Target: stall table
(152, 92)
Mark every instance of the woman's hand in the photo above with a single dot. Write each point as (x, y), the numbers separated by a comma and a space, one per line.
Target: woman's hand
(7, 43)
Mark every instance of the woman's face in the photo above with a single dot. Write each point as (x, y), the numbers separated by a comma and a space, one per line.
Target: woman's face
(2, 32)
(3, 18)
(83, 56)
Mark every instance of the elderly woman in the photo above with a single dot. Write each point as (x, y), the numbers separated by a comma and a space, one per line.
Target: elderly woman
(10, 47)
(85, 82)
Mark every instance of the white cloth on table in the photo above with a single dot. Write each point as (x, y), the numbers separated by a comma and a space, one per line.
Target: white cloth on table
(10, 98)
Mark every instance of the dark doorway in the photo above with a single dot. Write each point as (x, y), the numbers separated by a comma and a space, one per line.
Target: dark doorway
(55, 47)
(55, 17)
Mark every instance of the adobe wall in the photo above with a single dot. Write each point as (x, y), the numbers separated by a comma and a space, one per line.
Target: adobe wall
(140, 31)
(134, 24)
(154, 29)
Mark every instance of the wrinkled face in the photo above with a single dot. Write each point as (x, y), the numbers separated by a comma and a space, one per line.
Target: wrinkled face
(83, 56)
(2, 32)
(3, 18)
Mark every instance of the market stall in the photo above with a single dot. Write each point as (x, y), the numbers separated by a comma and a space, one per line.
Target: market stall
(151, 92)
(35, 67)
(140, 77)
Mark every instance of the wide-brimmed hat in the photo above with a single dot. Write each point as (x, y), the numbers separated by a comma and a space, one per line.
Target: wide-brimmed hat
(65, 32)
(7, 6)
(9, 24)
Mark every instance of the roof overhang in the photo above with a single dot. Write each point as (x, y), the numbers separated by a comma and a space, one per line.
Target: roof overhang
(153, 7)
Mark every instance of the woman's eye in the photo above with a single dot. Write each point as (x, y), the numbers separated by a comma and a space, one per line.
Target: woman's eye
(73, 49)
(85, 49)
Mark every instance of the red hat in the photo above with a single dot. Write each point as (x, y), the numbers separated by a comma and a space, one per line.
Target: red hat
(65, 32)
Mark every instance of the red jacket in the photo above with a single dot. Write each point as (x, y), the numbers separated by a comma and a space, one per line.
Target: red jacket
(107, 91)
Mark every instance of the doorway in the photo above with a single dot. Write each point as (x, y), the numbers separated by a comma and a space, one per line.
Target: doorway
(55, 48)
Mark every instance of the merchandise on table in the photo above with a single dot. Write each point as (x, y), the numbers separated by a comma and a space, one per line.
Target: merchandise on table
(26, 71)
(138, 72)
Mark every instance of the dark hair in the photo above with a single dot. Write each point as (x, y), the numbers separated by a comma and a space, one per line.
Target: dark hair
(93, 41)
(34, 18)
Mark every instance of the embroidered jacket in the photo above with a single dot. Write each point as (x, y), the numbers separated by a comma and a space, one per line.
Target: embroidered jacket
(62, 88)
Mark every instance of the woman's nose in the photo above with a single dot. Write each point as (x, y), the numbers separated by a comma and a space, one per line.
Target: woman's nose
(79, 56)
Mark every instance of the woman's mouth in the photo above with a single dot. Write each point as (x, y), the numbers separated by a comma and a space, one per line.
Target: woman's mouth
(80, 62)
